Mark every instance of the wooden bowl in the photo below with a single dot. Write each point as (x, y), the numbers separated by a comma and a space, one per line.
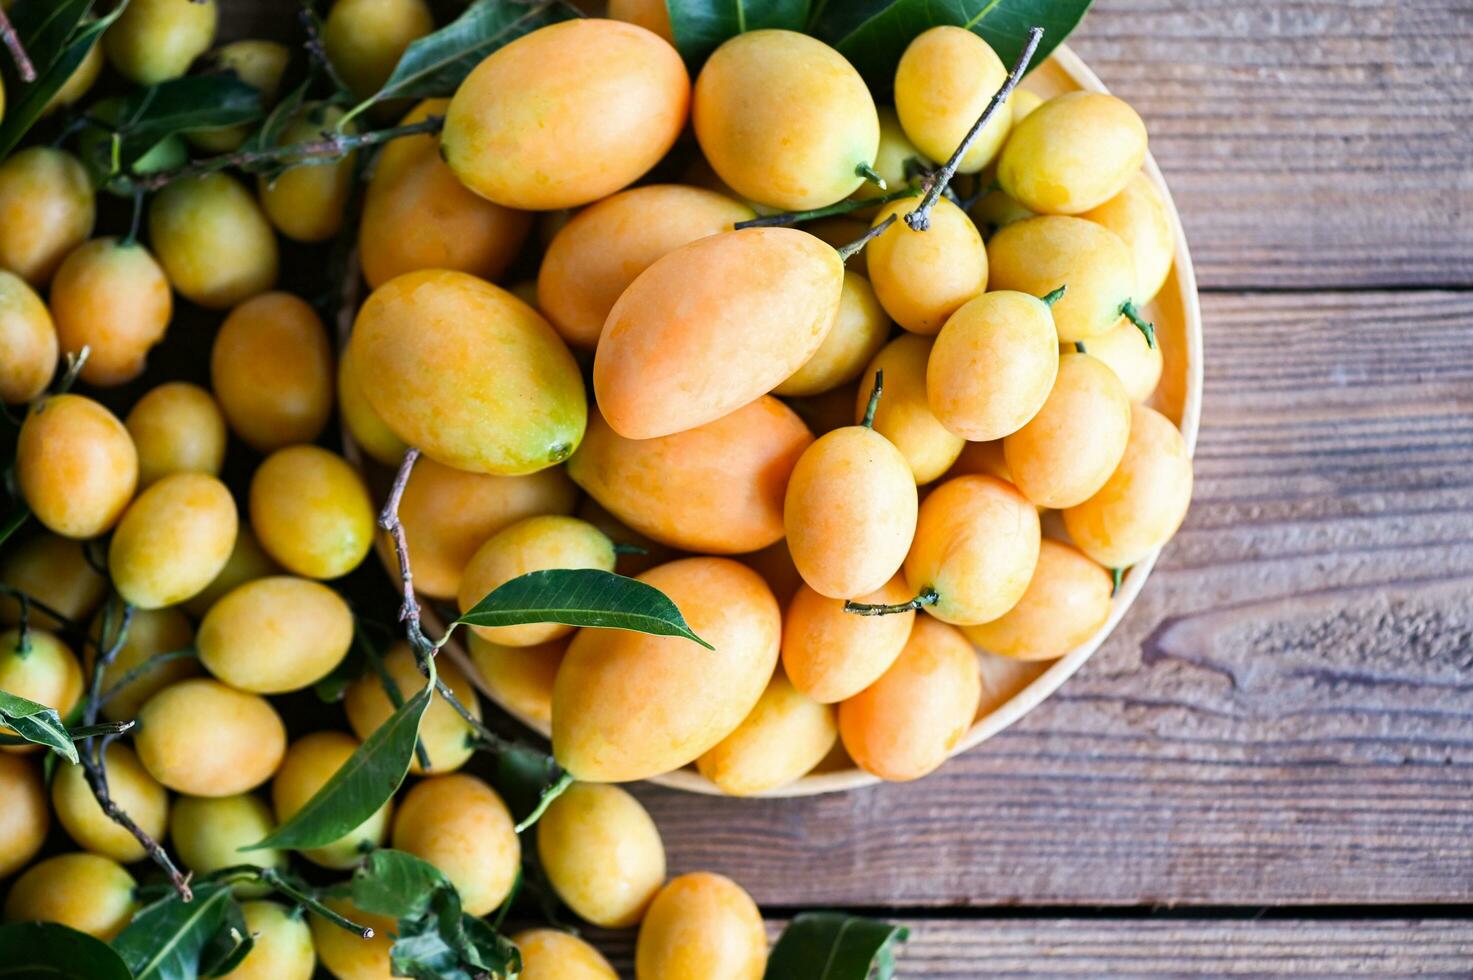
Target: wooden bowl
(1011, 688)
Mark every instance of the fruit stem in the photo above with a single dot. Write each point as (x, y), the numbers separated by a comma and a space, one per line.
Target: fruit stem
(23, 66)
(874, 401)
(928, 597)
(870, 174)
(317, 51)
(131, 239)
(1131, 312)
(74, 364)
(545, 800)
(846, 252)
(279, 882)
(1049, 299)
(920, 218)
(1079, 347)
(1117, 575)
(622, 548)
(157, 660)
(843, 207)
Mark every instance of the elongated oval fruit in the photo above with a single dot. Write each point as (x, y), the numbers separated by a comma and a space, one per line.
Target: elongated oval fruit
(945, 79)
(717, 488)
(28, 342)
(701, 926)
(859, 331)
(712, 326)
(831, 655)
(275, 634)
(922, 277)
(469, 374)
(1067, 601)
(1138, 215)
(173, 540)
(1039, 255)
(602, 853)
(112, 299)
(629, 706)
(905, 416)
(1072, 153)
(784, 737)
(76, 465)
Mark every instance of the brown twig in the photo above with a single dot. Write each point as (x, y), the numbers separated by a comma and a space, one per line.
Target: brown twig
(388, 519)
(846, 252)
(312, 27)
(23, 66)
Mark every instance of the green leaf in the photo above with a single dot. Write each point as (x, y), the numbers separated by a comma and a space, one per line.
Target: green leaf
(230, 944)
(700, 26)
(834, 946)
(523, 776)
(873, 34)
(396, 884)
(166, 940)
(14, 522)
(365, 782)
(36, 723)
(581, 597)
(36, 950)
(57, 37)
(494, 951)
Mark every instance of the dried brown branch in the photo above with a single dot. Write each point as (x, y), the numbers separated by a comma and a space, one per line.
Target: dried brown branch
(23, 66)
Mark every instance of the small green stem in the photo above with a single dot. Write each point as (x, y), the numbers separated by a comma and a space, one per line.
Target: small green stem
(1050, 298)
(1079, 347)
(1131, 312)
(843, 207)
(846, 252)
(1117, 575)
(102, 728)
(624, 548)
(874, 401)
(147, 667)
(74, 364)
(928, 597)
(131, 239)
(14, 522)
(872, 175)
(279, 882)
(545, 800)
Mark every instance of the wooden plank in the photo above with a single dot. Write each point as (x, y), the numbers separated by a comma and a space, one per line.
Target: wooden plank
(1284, 716)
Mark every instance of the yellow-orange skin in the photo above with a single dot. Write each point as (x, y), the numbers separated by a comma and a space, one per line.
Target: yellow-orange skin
(944, 81)
(47, 208)
(596, 255)
(1143, 502)
(151, 632)
(905, 724)
(713, 325)
(205, 739)
(209, 832)
(114, 300)
(173, 540)
(1072, 153)
(629, 706)
(176, 428)
(976, 545)
(52, 570)
(311, 511)
(246, 563)
(25, 817)
(156, 40)
(1038, 255)
(717, 488)
(459, 824)
(46, 673)
(348, 956)
(829, 654)
(922, 277)
(306, 202)
(860, 329)
(1066, 603)
(602, 853)
(520, 679)
(76, 465)
(784, 119)
(275, 634)
(131, 788)
(418, 215)
(448, 513)
(1124, 350)
(363, 423)
(309, 763)
(566, 115)
(28, 344)
(850, 512)
(1138, 215)
(271, 369)
(444, 734)
(213, 241)
(1069, 449)
(786, 734)
(905, 416)
(283, 944)
(531, 545)
(894, 151)
(701, 926)
(86, 892)
(993, 365)
(364, 39)
(549, 954)
(468, 373)
(261, 65)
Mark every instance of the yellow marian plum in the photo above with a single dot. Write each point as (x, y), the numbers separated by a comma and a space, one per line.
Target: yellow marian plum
(1072, 153)
(831, 655)
(609, 100)
(261, 65)
(209, 832)
(1125, 351)
(364, 39)
(550, 954)
(922, 277)
(47, 208)
(52, 570)
(271, 368)
(363, 424)
(418, 215)
(975, 548)
(713, 325)
(459, 824)
(532, 545)
(717, 488)
(311, 511)
(309, 763)
(602, 853)
(85, 892)
(283, 944)
(44, 670)
(860, 329)
(1069, 449)
(156, 40)
(519, 679)
(444, 733)
(1038, 255)
(176, 428)
(701, 926)
(786, 734)
(1067, 602)
(346, 955)
(944, 81)
(895, 155)
(205, 739)
(76, 465)
(247, 562)
(24, 818)
(993, 365)
(28, 344)
(652, 15)
(905, 724)
(469, 374)
(785, 120)
(596, 255)
(131, 788)
(151, 632)
(629, 706)
(1138, 215)
(905, 416)
(114, 300)
(275, 634)
(306, 202)
(1143, 502)
(213, 240)
(173, 540)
